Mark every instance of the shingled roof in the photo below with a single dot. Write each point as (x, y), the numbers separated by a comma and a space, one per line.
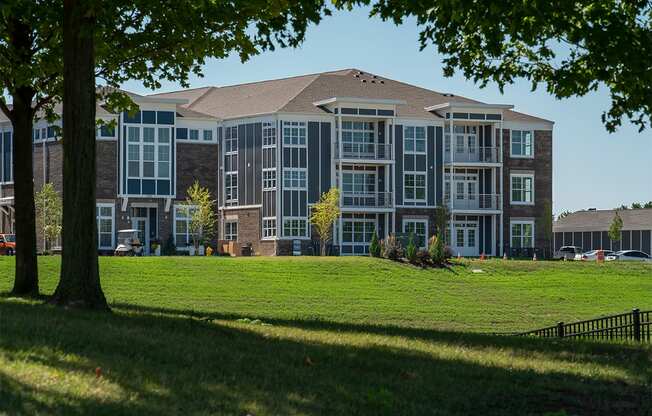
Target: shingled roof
(600, 220)
(297, 95)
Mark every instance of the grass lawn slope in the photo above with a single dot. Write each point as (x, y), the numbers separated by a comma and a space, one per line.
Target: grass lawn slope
(313, 336)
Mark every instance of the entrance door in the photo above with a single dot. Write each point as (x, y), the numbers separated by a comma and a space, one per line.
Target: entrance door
(145, 219)
(141, 224)
(465, 234)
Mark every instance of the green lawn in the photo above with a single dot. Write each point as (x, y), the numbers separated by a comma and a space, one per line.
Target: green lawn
(268, 336)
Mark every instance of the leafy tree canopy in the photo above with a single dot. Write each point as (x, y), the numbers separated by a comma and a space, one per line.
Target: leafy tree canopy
(571, 46)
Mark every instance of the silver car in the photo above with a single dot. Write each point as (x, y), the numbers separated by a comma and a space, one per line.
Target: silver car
(629, 255)
(592, 255)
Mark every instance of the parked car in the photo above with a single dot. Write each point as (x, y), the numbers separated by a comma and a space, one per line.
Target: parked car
(592, 255)
(567, 252)
(8, 244)
(629, 255)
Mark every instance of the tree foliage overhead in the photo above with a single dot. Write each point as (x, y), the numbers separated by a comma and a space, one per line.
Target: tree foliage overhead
(571, 46)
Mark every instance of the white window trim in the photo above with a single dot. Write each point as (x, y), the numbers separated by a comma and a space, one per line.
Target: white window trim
(301, 125)
(511, 137)
(357, 243)
(174, 226)
(511, 187)
(425, 141)
(424, 221)
(262, 224)
(11, 158)
(270, 188)
(141, 152)
(231, 202)
(99, 207)
(269, 130)
(523, 222)
(295, 188)
(291, 237)
(237, 229)
(415, 200)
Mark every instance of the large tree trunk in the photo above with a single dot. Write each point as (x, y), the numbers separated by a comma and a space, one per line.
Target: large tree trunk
(26, 277)
(79, 285)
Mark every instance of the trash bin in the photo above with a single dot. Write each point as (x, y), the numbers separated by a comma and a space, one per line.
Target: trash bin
(245, 250)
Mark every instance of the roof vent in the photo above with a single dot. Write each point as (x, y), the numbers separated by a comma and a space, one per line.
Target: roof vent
(381, 81)
(360, 73)
(373, 81)
(374, 77)
(447, 94)
(364, 80)
(592, 209)
(356, 76)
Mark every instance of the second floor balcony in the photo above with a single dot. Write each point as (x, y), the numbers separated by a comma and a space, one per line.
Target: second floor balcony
(367, 200)
(364, 151)
(474, 202)
(472, 155)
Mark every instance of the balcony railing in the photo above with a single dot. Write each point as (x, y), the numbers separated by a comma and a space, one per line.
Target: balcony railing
(473, 155)
(474, 202)
(364, 151)
(367, 199)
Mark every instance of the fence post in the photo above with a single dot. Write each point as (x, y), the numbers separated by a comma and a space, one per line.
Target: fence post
(636, 319)
(560, 329)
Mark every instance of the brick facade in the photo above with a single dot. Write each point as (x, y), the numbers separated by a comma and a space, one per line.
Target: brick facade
(541, 165)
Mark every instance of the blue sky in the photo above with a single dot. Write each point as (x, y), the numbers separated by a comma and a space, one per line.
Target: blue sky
(591, 167)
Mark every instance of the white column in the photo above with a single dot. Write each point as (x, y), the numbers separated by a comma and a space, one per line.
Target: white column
(500, 189)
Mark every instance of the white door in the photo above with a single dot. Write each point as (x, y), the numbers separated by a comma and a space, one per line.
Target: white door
(142, 225)
(466, 192)
(465, 235)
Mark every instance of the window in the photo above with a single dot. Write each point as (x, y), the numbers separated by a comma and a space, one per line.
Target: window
(269, 227)
(359, 183)
(419, 228)
(294, 227)
(294, 179)
(194, 134)
(414, 186)
(522, 234)
(357, 235)
(522, 143)
(522, 187)
(294, 133)
(414, 139)
(269, 134)
(231, 230)
(269, 179)
(358, 138)
(231, 188)
(149, 152)
(208, 135)
(182, 234)
(231, 142)
(104, 218)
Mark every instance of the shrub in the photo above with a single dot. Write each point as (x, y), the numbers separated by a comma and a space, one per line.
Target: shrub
(423, 258)
(436, 250)
(411, 250)
(374, 246)
(392, 248)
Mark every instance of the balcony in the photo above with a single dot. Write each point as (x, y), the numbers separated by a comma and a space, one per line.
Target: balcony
(473, 155)
(364, 151)
(367, 200)
(474, 202)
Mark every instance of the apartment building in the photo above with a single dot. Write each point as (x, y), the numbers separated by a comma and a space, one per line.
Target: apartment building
(267, 150)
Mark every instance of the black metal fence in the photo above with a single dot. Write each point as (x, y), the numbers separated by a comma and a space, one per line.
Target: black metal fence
(635, 325)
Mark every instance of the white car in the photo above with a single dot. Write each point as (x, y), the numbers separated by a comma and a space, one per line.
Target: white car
(592, 255)
(629, 255)
(567, 253)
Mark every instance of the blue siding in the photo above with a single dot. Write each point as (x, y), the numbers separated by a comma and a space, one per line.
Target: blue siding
(313, 162)
(439, 165)
(325, 157)
(432, 177)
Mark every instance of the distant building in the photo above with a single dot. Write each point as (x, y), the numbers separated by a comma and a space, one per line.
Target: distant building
(589, 230)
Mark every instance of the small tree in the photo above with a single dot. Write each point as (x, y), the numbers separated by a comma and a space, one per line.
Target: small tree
(411, 250)
(637, 205)
(436, 249)
(199, 208)
(442, 217)
(374, 246)
(615, 227)
(48, 214)
(648, 204)
(324, 214)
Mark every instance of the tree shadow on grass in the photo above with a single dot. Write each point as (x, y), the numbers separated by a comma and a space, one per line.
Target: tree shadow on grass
(165, 364)
(583, 350)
